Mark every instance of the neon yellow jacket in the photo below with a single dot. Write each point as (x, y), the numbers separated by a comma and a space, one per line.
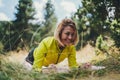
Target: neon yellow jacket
(48, 53)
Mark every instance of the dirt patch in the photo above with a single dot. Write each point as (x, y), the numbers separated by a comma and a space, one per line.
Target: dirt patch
(86, 54)
(14, 56)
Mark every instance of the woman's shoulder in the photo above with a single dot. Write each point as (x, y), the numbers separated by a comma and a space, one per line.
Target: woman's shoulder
(50, 38)
(49, 42)
(71, 47)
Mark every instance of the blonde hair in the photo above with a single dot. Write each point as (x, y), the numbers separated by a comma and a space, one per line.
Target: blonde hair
(60, 28)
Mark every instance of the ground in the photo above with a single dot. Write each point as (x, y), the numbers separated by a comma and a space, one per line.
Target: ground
(84, 55)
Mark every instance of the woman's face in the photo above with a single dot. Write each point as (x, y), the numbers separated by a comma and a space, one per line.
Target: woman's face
(67, 36)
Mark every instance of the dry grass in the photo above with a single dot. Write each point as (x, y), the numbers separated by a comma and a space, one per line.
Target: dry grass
(87, 54)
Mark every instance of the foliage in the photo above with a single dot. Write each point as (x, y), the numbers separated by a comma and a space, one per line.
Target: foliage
(113, 20)
(50, 19)
(90, 19)
(101, 45)
(112, 62)
(22, 26)
(115, 30)
(16, 71)
(21, 33)
(47, 26)
(94, 17)
(17, 33)
(6, 34)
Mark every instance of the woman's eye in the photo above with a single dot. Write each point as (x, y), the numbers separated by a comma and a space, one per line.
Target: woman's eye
(72, 34)
(67, 34)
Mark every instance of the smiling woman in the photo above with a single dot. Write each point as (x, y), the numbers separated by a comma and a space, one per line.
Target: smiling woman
(53, 50)
(66, 32)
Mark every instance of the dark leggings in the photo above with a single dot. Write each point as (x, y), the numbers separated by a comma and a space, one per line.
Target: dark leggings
(30, 58)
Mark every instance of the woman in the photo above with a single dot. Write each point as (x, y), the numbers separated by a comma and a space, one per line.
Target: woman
(53, 50)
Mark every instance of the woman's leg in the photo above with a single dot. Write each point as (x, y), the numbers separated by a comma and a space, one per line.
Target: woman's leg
(30, 58)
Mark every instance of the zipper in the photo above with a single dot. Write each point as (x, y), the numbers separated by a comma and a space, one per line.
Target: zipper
(58, 58)
(60, 51)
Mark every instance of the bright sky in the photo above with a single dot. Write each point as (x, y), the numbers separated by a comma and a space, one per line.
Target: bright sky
(63, 8)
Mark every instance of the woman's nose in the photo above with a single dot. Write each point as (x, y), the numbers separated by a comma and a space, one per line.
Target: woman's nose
(70, 36)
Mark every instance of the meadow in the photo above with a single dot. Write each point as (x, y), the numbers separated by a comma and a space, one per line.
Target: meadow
(11, 67)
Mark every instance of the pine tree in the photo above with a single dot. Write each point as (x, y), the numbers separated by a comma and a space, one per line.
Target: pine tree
(46, 28)
(50, 19)
(22, 26)
(93, 19)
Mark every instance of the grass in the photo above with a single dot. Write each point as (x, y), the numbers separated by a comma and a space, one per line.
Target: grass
(15, 71)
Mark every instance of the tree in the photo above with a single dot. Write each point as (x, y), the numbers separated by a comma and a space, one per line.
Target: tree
(114, 19)
(5, 35)
(92, 19)
(47, 26)
(22, 25)
(50, 20)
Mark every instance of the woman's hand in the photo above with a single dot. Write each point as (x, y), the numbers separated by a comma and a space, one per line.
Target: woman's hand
(86, 65)
(52, 66)
(89, 66)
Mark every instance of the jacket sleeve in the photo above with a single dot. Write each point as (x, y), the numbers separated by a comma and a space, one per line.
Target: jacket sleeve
(39, 55)
(72, 58)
